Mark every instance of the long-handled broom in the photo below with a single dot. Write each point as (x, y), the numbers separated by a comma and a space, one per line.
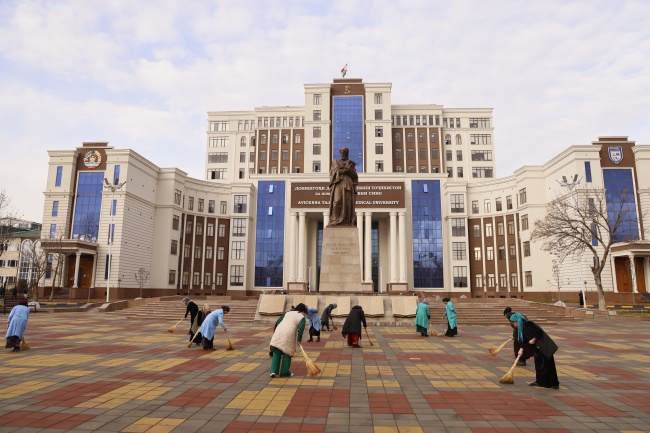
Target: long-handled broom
(192, 340)
(433, 331)
(173, 328)
(230, 346)
(312, 369)
(333, 325)
(509, 377)
(369, 341)
(495, 350)
(24, 345)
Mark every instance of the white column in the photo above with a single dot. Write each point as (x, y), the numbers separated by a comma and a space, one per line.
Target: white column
(360, 230)
(633, 271)
(326, 218)
(92, 283)
(292, 245)
(393, 247)
(367, 249)
(402, 246)
(302, 250)
(75, 285)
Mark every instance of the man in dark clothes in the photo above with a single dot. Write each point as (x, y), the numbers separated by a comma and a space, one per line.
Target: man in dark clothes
(528, 349)
(545, 347)
(192, 310)
(352, 326)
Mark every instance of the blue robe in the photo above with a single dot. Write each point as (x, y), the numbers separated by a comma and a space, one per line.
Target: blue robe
(17, 321)
(451, 314)
(209, 325)
(314, 319)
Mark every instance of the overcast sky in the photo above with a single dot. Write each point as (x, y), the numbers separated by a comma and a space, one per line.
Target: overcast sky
(144, 74)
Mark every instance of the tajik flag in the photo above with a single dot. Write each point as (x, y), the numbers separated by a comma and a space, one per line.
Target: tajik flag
(344, 70)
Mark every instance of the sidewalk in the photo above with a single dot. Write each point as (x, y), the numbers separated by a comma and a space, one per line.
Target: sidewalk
(93, 372)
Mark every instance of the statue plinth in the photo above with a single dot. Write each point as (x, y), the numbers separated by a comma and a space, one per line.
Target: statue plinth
(340, 260)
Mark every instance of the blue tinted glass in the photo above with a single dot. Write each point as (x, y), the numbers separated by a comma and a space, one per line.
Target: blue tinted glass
(347, 127)
(375, 256)
(116, 175)
(427, 234)
(587, 171)
(59, 173)
(620, 197)
(269, 243)
(88, 206)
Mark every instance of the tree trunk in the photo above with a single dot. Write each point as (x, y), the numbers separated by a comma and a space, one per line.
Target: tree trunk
(602, 306)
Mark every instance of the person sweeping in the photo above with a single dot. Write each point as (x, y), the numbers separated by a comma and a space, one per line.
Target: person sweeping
(288, 333)
(314, 324)
(209, 327)
(16, 322)
(422, 316)
(516, 343)
(545, 348)
(352, 326)
(192, 309)
(326, 317)
(197, 338)
(450, 314)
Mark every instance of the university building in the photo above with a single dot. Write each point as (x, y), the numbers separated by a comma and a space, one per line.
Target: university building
(430, 211)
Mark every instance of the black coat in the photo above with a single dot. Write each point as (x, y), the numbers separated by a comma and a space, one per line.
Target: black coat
(354, 320)
(327, 313)
(543, 342)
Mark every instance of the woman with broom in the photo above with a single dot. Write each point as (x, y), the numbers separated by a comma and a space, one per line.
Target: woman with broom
(192, 309)
(422, 316)
(200, 318)
(327, 316)
(528, 349)
(314, 324)
(450, 313)
(352, 326)
(209, 327)
(288, 333)
(17, 321)
(545, 347)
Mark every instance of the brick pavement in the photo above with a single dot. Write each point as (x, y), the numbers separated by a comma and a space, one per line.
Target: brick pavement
(90, 372)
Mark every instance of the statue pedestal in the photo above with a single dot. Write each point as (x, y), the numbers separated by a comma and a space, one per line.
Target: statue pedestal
(340, 260)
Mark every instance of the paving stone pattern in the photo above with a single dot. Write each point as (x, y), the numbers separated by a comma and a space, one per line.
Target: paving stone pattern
(89, 372)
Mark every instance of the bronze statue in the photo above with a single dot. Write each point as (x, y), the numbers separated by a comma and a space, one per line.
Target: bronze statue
(343, 190)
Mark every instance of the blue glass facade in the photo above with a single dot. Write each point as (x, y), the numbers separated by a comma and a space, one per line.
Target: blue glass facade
(620, 197)
(347, 127)
(427, 234)
(269, 243)
(88, 205)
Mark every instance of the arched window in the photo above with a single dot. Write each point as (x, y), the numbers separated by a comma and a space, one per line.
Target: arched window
(422, 137)
(458, 139)
(263, 139)
(447, 139)
(398, 137)
(252, 141)
(243, 141)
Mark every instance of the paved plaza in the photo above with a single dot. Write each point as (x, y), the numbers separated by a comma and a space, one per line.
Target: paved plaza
(96, 372)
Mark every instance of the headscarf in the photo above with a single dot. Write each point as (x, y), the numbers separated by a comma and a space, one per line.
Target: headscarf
(186, 300)
(22, 302)
(520, 319)
(426, 301)
(446, 299)
(334, 305)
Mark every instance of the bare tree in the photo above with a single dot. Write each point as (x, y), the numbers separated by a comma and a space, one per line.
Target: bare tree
(8, 216)
(580, 222)
(35, 262)
(56, 259)
(142, 276)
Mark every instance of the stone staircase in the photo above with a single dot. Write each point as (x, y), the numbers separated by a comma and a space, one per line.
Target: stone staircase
(241, 311)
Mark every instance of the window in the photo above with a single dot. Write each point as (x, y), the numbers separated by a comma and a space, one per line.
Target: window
(447, 139)
(513, 281)
(479, 280)
(218, 142)
(274, 138)
(220, 126)
(196, 279)
(263, 139)
(262, 154)
(220, 253)
(316, 114)
(480, 172)
(459, 140)
(460, 276)
(210, 229)
(208, 253)
(316, 149)
(458, 227)
(477, 253)
(398, 154)
(52, 231)
(207, 279)
(409, 137)
(511, 227)
(186, 250)
(316, 131)
(199, 228)
(174, 247)
(59, 174)
(529, 278)
(171, 278)
(502, 252)
(236, 275)
(222, 230)
(296, 155)
(176, 222)
(116, 175)
(480, 139)
(318, 99)
(526, 249)
(500, 230)
(410, 154)
(499, 205)
(188, 227)
(490, 280)
(237, 251)
(316, 166)
(240, 204)
(474, 206)
(522, 196)
(197, 252)
(488, 230)
(55, 208)
(379, 131)
(457, 203)
(219, 279)
(217, 173)
(210, 206)
(379, 114)
(458, 250)
(479, 122)
(423, 169)
(459, 171)
(177, 196)
(379, 148)
(524, 222)
(201, 203)
(398, 169)
(422, 137)
(379, 98)
(434, 153)
(190, 203)
(477, 230)
(398, 137)
(449, 156)
(238, 227)
(186, 278)
(297, 138)
(285, 154)
(274, 154)
(489, 253)
(459, 155)
(487, 205)
(481, 155)
(513, 251)
(379, 166)
(587, 171)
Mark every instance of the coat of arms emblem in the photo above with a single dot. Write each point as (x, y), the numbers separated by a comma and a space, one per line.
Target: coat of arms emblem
(615, 153)
(92, 159)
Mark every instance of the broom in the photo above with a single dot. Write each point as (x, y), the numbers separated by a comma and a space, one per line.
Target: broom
(369, 341)
(192, 340)
(312, 369)
(230, 346)
(433, 331)
(24, 345)
(509, 376)
(495, 350)
(333, 325)
(173, 328)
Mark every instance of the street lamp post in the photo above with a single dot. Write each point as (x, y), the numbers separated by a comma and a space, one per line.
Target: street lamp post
(309, 278)
(111, 233)
(381, 279)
